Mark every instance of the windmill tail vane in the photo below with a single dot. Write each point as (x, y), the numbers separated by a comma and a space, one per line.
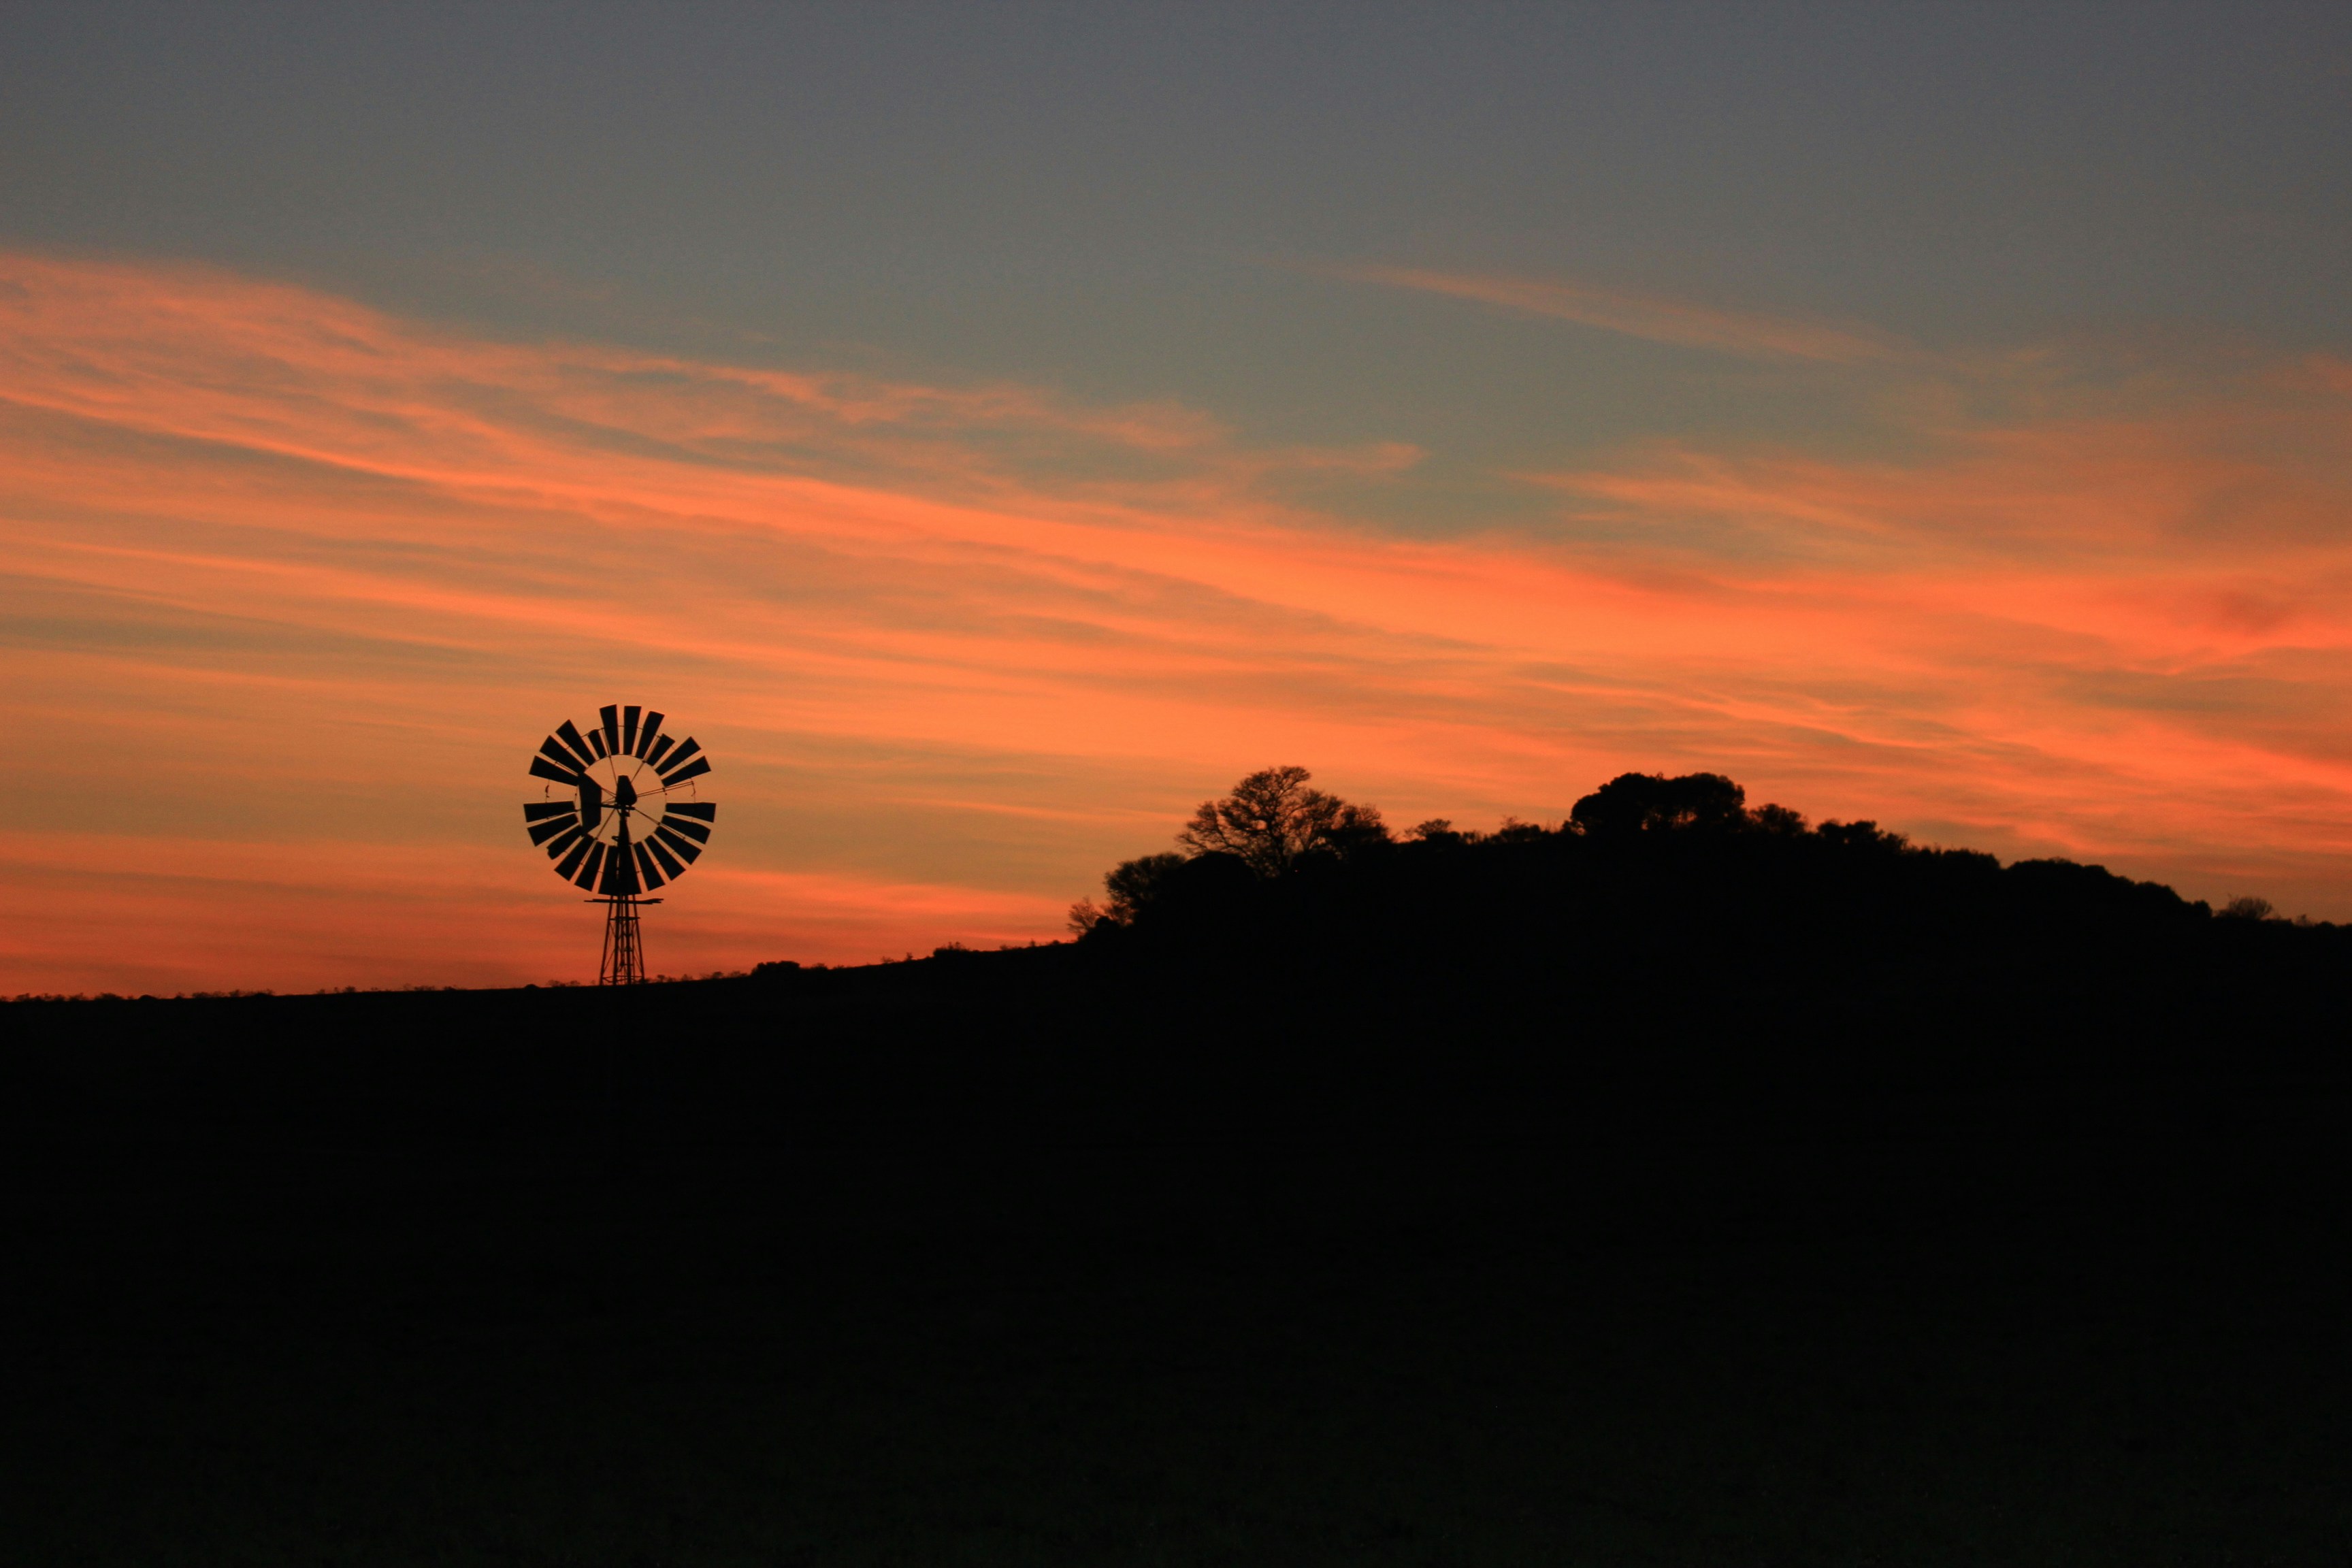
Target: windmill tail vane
(630, 819)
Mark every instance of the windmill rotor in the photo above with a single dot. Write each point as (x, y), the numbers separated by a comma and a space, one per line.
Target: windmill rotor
(622, 814)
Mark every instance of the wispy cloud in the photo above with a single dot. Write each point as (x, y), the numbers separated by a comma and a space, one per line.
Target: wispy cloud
(292, 587)
(1649, 316)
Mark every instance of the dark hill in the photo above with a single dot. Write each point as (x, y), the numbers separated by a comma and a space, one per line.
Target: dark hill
(1676, 1190)
(1747, 939)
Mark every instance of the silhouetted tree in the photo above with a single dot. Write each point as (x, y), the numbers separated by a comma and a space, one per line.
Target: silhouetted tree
(1650, 802)
(1271, 819)
(1128, 887)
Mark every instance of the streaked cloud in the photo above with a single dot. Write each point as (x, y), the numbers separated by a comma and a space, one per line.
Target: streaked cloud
(1649, 316)
(292, 587)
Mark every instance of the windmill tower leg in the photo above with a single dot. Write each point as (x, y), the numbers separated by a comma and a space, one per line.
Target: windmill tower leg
(624, 961)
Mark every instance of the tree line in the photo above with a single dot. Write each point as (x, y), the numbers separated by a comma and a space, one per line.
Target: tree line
(1274, 825)
(1667, 907)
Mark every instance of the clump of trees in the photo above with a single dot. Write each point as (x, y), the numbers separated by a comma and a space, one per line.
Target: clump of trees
(1645, 859)
(1271, 821)
(1667, 908)
(1268, 824)
(1273, 825)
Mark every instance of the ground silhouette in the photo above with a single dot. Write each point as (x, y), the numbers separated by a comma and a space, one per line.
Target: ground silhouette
(1680, 1183)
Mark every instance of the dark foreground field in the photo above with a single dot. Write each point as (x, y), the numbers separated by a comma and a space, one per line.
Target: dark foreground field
(996, 1260)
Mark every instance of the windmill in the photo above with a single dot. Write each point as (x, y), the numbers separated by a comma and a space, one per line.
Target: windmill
(629, 823)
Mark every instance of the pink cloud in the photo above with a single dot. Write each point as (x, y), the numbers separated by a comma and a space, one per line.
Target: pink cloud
(1649, 316)
(293, 587)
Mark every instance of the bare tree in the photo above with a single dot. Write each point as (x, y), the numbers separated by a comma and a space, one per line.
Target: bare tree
(1271, 819)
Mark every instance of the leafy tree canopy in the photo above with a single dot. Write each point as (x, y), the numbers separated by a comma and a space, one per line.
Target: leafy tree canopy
(1650, 802)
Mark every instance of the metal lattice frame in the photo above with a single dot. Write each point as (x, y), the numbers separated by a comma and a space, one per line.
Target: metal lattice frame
(623, 962)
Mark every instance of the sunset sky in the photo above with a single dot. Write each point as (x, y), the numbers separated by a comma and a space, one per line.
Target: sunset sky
(990, 430)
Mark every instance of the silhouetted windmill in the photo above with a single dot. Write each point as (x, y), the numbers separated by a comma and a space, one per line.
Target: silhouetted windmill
(625, 830)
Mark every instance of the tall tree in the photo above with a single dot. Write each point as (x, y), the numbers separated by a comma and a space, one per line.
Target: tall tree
(1271, 819)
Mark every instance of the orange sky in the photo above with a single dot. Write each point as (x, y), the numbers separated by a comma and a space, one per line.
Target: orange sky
(293, 588)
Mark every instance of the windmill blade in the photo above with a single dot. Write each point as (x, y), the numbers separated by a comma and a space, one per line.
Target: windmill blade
(570, 737)
(661, 853)
(644, 847)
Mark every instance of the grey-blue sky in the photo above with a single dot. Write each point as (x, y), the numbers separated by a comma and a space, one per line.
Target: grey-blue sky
(1135, 203)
